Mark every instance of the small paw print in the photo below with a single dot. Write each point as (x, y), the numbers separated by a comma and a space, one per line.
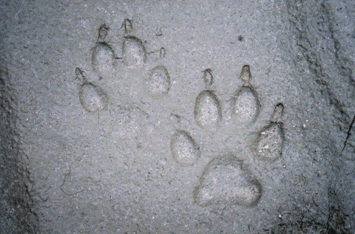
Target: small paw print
(105, 61)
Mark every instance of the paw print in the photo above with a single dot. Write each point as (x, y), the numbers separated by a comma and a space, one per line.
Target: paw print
(227, 179)
(105, 63)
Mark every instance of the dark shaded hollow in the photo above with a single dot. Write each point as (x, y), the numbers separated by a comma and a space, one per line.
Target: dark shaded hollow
(17, 213)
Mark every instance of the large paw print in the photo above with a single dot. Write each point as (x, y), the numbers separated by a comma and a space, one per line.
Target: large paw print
(226, 178)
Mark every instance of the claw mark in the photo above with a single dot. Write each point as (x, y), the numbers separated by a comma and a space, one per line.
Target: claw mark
(208, 77)
(128, 26)
(162, 52)
(159, 32)
(103, 31)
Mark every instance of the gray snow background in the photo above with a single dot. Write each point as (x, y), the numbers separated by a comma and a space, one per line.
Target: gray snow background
(66, 170)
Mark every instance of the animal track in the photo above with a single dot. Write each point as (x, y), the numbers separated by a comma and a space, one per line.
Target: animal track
(226, 180)
(92, 97)
(245, 103)
(208, 112)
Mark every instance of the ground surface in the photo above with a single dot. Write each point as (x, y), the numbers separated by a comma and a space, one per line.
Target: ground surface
(136, 117)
